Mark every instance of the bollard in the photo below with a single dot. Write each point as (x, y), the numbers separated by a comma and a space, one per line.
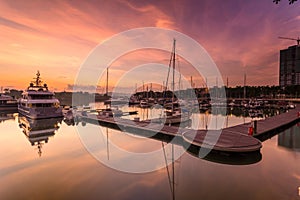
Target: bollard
(255, 127)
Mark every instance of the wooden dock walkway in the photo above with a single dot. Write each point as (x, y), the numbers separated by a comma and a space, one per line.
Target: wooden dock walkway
(232, 139)
(265, 129)
(217, 140)
(269, 127)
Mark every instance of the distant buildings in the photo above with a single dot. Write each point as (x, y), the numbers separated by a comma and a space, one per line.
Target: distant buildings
(289, 72)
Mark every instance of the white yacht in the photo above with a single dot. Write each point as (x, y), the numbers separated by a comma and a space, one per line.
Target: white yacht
(37, 102)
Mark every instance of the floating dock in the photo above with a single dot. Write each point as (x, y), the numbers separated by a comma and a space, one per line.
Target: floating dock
(233, 139)
(222, 140)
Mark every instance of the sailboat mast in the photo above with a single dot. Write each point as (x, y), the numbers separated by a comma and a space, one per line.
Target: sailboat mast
(173, 83)
(106, 91)
(107, 85)
(244, 86)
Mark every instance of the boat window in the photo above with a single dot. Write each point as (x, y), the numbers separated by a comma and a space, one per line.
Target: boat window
(42, 105)
(41, 97)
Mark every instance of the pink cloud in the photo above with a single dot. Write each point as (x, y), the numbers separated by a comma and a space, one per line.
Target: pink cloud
(58, 35)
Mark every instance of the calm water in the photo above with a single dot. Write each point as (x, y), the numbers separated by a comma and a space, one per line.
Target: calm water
(62, 168)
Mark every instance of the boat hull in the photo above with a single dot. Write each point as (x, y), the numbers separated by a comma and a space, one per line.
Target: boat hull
(40, 113)
(7, 103)
(9, 107)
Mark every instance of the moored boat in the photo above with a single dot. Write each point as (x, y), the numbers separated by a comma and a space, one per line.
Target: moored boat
(177, 116)
(109, 112)
(37, 102)
(144, 104)
(174, 114)
(7, 102)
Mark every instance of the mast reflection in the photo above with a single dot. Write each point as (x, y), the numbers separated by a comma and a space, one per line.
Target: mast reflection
(228, 158)
(38, 131)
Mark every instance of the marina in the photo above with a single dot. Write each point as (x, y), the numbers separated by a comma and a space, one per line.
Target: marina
(143, 124)
(164, 100)
(236, 139)
(64, 155)
(37, 102)
(168, 130)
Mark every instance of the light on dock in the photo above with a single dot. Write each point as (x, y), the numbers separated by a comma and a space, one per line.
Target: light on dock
(298, 191)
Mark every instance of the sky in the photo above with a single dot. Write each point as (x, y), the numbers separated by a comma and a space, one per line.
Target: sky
(57, 36)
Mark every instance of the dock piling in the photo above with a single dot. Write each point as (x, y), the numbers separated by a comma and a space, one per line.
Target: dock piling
(255, 127)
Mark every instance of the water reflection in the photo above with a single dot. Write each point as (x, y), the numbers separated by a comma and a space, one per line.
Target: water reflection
(171, 177)
(290, 138)
(38, 131)
(69, 121)
(214, 156)
(7, 115)
(173, 170)
(77, 175)
(225, 157)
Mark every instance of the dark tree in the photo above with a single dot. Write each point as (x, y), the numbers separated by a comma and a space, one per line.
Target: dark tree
(290, 1)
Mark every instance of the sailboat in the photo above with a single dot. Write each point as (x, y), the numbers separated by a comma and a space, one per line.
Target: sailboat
(146, 102)
(175, 114)
(109, 111)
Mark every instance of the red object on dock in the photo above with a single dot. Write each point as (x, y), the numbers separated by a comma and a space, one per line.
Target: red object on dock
(298, 114)
(250, 130)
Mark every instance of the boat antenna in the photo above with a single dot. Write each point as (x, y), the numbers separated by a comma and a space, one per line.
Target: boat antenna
(38, 80)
